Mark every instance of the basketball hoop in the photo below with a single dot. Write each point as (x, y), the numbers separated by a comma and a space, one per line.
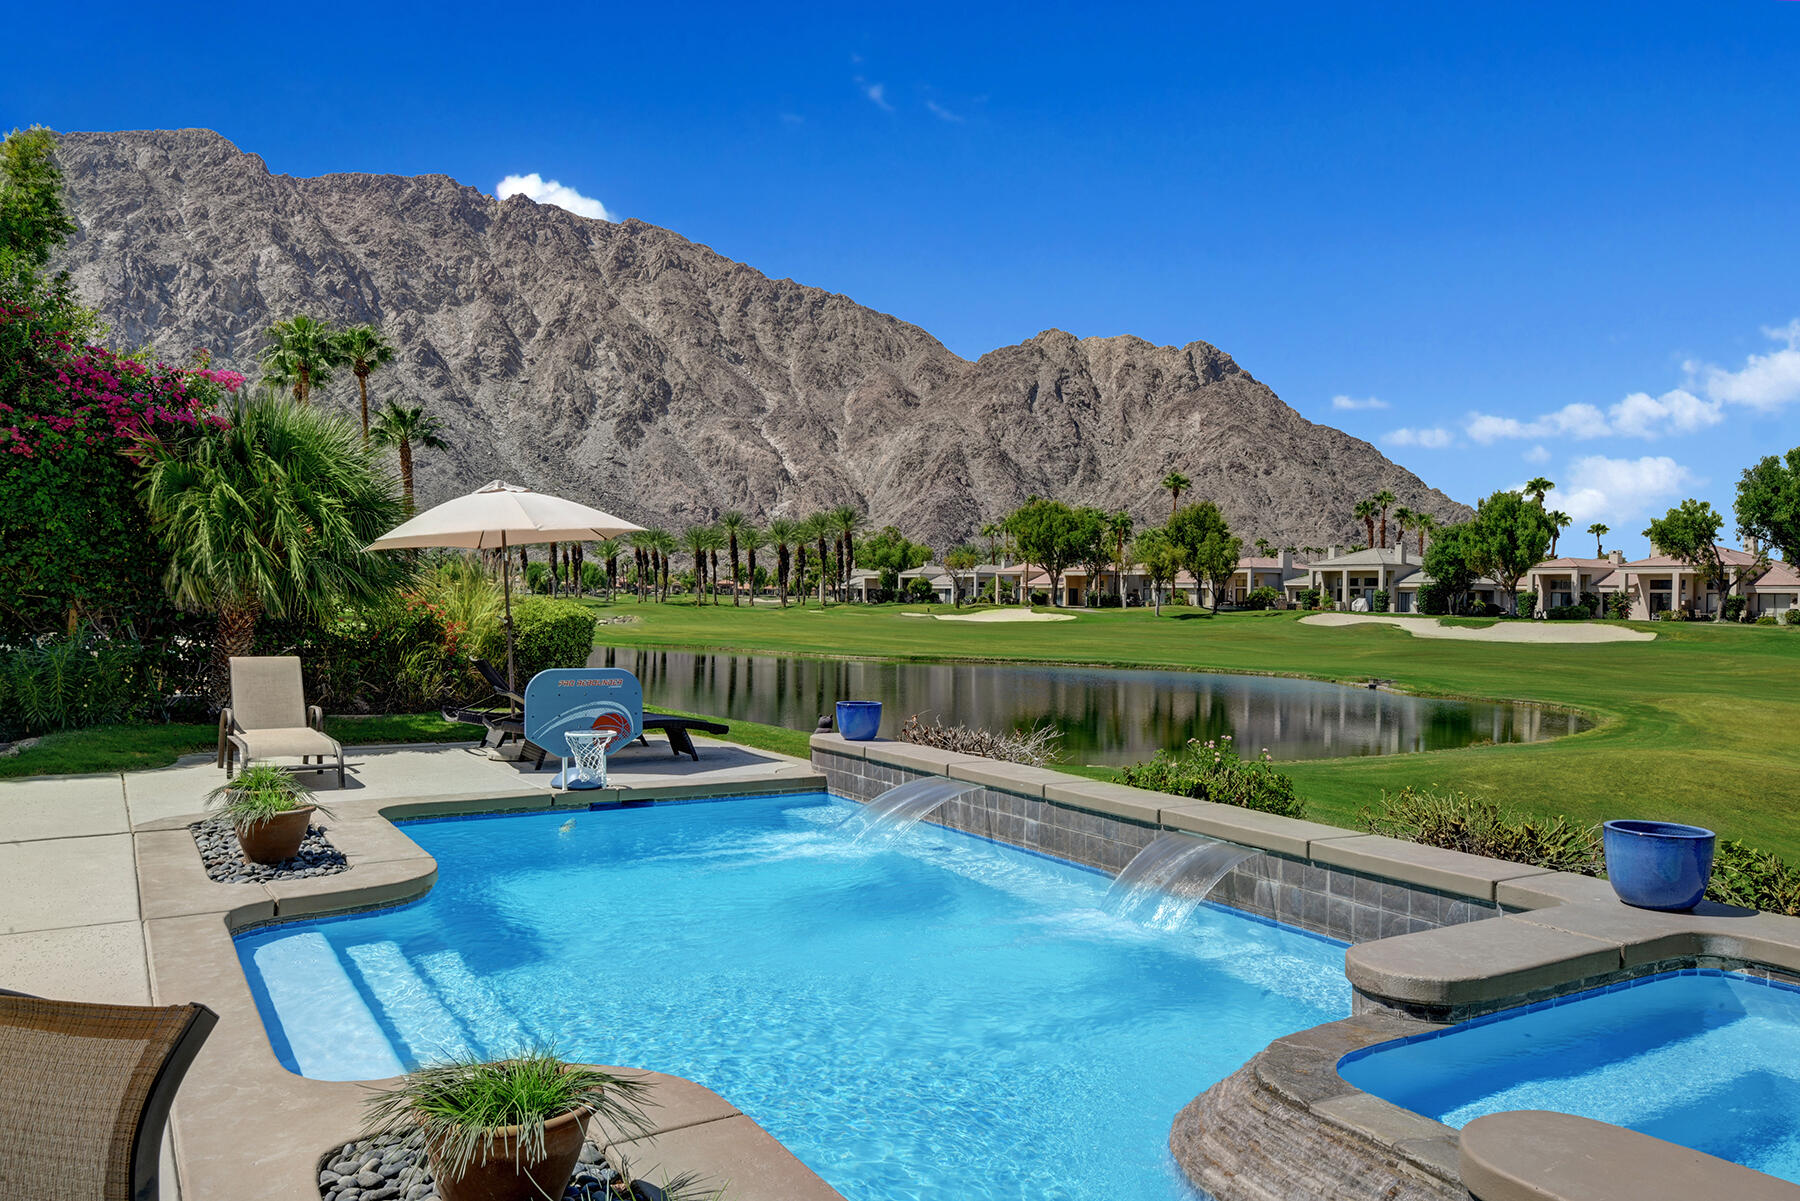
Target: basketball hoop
(587, 759)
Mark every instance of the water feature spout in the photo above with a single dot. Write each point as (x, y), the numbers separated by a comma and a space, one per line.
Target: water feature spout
(1166, 880)
(900, 808)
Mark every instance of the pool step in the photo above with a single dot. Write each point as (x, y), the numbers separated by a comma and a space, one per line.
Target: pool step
(431, 1031)
(332, 1033)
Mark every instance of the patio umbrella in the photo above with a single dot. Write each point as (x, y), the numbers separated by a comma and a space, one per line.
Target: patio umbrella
(498, 516)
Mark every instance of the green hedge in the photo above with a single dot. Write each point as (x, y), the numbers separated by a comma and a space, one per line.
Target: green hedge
(65, 683)
(549, 634)
(1213, 771)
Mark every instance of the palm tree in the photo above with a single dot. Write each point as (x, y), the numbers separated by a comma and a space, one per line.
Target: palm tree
(1559, 521)
(697, 539)
(642, 544)
(802, 536)
(607, 552)
(363, 349)
(819, 529)
(995, 536)
(664, 547)
(1264, 547)
(1384, 499)
(1535, 488)
(784, 534)
(1175, 483)
(268, 516)
(1599, 531)
(715, 542)
(1403, 519)
(1365, 513)
(300, 355)
(753, 540)
(1425, 524)
(1119, 527)
(403, 428)
(845, 521)
(731, 525)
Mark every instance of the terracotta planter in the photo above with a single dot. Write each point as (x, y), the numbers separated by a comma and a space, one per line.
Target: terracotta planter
(501, 1178)
(276, 839)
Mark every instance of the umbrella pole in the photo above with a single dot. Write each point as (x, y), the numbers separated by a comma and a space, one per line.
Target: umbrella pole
(506, 587)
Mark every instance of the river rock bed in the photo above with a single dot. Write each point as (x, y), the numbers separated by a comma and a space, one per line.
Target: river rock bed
(385, 1169)
(225, 862)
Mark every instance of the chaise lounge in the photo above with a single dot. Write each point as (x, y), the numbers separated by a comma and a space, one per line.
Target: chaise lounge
(268, 718)
(87, 1094)
(503, 713)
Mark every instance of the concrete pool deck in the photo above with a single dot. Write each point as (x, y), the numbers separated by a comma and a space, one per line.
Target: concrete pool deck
(106, 900)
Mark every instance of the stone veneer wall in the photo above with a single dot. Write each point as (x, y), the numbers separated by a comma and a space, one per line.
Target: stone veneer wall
(1327, 900)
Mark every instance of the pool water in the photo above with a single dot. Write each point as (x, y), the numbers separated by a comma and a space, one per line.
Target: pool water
(1707, 1059)
(944, 1013)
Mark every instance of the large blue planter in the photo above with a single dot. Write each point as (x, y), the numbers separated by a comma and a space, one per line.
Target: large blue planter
(1658, 865)
(859, 721)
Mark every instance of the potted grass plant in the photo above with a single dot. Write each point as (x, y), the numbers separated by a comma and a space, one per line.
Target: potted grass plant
(505, 1130)
(269, 809)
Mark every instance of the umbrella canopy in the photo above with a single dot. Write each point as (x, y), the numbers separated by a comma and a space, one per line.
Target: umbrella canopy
(498, 516)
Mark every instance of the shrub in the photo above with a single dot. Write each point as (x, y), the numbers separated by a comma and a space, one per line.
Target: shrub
(919, 589)
(1619, 605)
(1767, 619)
(1791, 617)
(260, 792)
(1434, 599)
(1525, 604)
(1569, 613)
(1309, 598)
(1035, 746)
(1040, 597)
(1457, 821)
(550, 634)
(1734, 608)
(1262, 598)
(1213, 771)
(1378, 603)
(84, 679)
(1746, 876)
(1106, 600)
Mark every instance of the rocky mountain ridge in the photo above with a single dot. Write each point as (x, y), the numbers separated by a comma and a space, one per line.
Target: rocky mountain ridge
(625, 366)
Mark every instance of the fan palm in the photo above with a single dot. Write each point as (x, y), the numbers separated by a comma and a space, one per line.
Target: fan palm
(1119, 527)
(1175, 483)
(752, 540)
(784, 534)
(1536, 487)
(1403, 519)
(845, 521)
(663, 546)
(404, 427)
(1599, 531)
(300, 355)
(732, 525)
(1383, 499)
(1424, 523)
(697, 540)
(1365, 513)
(819, 531)
(269, 516)
(1559, 521)
(363, 349)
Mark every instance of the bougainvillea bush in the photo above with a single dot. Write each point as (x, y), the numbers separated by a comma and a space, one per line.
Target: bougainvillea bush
(75, 544)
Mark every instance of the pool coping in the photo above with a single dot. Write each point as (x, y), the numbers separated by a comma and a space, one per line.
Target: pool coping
(241, 1115)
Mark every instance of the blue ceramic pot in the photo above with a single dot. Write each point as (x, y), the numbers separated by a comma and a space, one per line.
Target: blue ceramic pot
(1658, 865)
(859, 721)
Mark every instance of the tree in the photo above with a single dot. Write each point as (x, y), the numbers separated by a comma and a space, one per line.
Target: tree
(1175, 484)
(1049, 533)
(1265, 548)
(404, 427)
(363, 349)
(752, 540)
(1536, 487)
(608, 552)
(1383, 499)
(269, 516)
(819, 532)
(1599, 531)
(889, 552)
(1403, 520)
(784, 534)
(1559, 521)
(663, 547)
(1768, 503)
(643, 546)
(844, 522)
(1207, 545)
(301, 355)
(958, 560)
(1690, 532)
(1450, 561)
(731, 525)
(1161, 560)
(1365, 513)
(1511, 536)
(1424, 524)
(1119, 526)
(1095, 538)
(697, 541)
(33, 221)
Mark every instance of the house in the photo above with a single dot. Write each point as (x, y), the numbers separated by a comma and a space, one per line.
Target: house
(1660, 583)
(1358, 575)
(1564, 581)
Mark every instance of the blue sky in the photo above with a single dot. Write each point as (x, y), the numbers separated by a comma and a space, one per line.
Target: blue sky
(1495, 240)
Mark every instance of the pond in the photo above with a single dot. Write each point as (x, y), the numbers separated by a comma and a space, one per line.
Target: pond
(1105, 715)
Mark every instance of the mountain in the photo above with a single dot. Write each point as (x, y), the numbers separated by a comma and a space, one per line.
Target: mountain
(625, 366)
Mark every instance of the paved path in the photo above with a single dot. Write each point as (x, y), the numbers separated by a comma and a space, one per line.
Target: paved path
(1501, 631)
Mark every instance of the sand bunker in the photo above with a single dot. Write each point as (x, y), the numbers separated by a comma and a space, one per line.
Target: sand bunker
(1503, 631)
(999, 615)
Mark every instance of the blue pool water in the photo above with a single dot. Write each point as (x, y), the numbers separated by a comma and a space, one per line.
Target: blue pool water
(1710, 1060)
(946, 1012)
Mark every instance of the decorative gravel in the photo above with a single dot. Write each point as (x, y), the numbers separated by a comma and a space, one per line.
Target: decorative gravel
(225, 861)
(382, 1169)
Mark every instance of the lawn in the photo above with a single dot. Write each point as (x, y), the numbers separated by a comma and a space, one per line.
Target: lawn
(1697, 725)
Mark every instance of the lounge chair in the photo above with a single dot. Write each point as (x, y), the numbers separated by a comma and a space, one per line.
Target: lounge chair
(504, 713)
(270, 719)
(86, 1093)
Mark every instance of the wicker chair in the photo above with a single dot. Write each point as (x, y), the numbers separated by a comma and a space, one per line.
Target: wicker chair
(85, 1092)
(270, 719)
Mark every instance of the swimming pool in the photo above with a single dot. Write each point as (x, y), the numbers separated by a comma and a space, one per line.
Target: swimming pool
(1707, 1059)
(943, 1013)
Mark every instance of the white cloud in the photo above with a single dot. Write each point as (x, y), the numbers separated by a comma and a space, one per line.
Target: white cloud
(1429, 439)
(1619, 491)
(1538, 454)
(549, 191)
(876, 92)
(1677, 411)
(1356, 404)
(1766, 381)
(942, 113)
